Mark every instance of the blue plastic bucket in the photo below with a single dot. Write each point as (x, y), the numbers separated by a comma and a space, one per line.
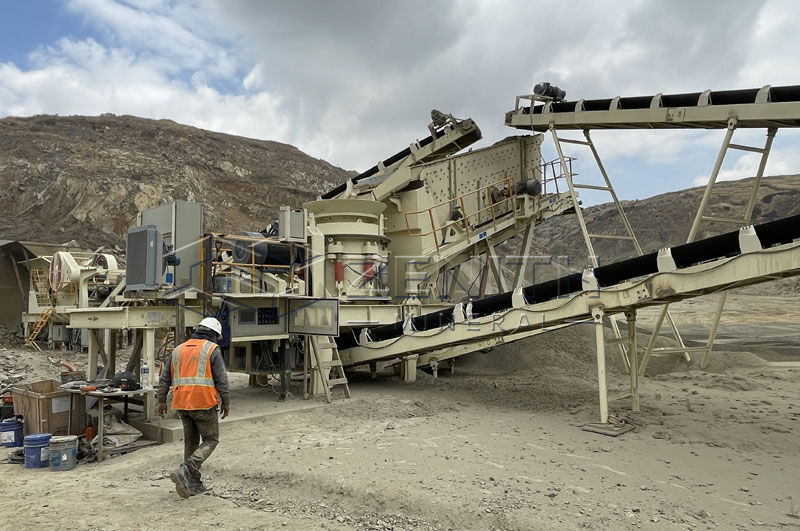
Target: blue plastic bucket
(11, 433)
(37, 450)
(63, 452)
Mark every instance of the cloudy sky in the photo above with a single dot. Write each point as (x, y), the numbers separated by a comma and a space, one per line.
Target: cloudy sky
(354, 81)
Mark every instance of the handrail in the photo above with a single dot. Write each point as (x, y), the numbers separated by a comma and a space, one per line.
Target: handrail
(38, 281)
(555, 174)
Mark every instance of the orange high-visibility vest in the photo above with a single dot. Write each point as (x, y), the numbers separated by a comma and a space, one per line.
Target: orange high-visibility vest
(191, 375)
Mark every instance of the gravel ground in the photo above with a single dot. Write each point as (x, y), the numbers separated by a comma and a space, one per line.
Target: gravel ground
(496, 445)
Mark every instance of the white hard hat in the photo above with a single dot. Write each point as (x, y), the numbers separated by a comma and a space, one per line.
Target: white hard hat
(213, 324)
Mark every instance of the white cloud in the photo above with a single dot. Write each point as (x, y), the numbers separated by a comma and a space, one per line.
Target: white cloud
(779, 162)
(157, 30)
(84, 77)
(353, 82)
(772, 55)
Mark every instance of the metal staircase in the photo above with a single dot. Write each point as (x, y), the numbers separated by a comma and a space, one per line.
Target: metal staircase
(331, 373)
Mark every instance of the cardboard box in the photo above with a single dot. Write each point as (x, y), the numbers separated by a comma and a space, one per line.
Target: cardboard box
(46, 409)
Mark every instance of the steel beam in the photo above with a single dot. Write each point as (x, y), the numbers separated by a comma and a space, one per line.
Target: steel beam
(785, 114)
(125, 317)
(633, 357)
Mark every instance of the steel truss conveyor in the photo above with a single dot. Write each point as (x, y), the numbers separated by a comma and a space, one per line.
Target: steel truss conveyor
(765, 107)
(746, 256)
(768, 108)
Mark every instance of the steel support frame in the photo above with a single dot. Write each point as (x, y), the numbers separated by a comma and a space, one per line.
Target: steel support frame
(451, 289)
(613, 319)
(633, 355)
(600, 341)
(496, 266)
(602, 384)
(698, 220)
(589, 307)
(525, 253)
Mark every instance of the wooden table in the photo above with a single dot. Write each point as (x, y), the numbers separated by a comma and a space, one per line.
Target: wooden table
(101, 398)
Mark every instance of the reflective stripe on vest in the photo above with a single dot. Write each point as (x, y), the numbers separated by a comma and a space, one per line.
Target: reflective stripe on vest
(193, 388)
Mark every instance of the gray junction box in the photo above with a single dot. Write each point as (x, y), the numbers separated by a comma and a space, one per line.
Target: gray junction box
(181, 225)
(144, 262)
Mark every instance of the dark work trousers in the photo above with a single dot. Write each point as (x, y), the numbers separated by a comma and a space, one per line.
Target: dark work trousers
(196, 424)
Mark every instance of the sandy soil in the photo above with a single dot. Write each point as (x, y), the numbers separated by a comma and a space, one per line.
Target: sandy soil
(497, 445)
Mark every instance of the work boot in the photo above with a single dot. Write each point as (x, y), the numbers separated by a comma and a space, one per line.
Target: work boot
(181, 477)
(196, 484)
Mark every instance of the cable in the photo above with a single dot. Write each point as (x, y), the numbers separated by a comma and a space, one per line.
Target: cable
(271, 368)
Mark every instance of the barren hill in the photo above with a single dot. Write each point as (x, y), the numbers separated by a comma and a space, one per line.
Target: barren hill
(84, 178)
(664, 220)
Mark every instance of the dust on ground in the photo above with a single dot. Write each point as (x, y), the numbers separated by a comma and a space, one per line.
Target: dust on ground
(496, 445)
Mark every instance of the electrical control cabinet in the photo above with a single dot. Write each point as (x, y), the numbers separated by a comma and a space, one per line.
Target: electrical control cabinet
(292, 225)
(60, 333)
(144, 267)
(253, 318)
(181, 226)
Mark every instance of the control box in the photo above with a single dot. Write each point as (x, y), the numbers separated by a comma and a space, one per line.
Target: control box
(254, 318)
(144, 263)
(292, 225)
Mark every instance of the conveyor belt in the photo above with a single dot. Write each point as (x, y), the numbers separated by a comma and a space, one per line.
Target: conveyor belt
(397, 157)
(764, 107)
(468, 134)
(685, 256)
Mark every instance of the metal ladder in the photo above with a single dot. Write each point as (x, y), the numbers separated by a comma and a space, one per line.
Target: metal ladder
(41, 322)
(701, 217)
(336, 374)
(613, 320)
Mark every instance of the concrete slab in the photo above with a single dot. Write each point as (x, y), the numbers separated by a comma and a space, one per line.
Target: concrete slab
(247, 405)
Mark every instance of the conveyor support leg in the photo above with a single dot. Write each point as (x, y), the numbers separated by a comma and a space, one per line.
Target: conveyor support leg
(408, 368)
(633, 357)
(600, 340)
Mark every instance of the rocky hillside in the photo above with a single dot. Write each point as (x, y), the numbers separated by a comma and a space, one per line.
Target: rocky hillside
(84, 178)
(664, 220)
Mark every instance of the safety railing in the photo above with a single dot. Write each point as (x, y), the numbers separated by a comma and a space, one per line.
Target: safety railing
(496, 194)
(39, 283)
(552, 172)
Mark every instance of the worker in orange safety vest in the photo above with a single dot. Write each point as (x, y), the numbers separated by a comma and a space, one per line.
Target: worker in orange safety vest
(199, 380)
